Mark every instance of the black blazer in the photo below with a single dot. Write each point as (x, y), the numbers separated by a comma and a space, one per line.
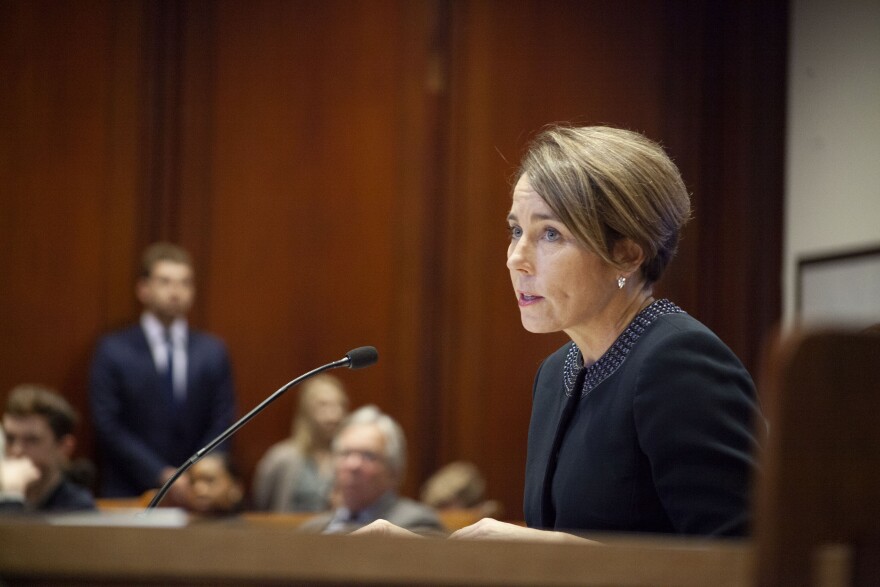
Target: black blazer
(663, 441)
(138, 432)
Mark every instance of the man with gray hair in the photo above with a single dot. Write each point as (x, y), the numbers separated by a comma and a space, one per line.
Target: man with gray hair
(369, 458)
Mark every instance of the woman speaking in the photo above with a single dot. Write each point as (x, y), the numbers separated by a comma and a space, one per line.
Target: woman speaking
(644, 421)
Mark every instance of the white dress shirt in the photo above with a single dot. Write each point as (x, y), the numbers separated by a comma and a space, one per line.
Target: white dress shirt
(155, 333)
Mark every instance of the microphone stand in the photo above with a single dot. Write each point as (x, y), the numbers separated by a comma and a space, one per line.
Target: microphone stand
(234, 428)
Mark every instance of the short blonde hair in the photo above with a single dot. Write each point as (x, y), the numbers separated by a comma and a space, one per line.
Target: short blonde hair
(606, 184)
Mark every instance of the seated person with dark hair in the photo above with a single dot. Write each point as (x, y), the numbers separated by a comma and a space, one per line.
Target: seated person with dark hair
(215, 486)
(370, 455)
(15, 475)
(38, 426)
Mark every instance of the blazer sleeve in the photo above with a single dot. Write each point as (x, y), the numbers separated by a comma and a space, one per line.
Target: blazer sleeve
(695, 411)
(216, 376)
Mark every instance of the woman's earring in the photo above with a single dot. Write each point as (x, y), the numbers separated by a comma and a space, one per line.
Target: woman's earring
(621, 280)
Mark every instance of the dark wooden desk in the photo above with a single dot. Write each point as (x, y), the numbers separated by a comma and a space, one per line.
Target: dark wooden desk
(244, 554)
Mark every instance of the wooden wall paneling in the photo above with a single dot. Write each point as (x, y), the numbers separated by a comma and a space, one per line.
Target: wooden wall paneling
(161, 121)
(194, 104)
(122, 198)
(257, 291)
(726, 129)
(318, 139)
(753, 155)
(417, 327)
(683, 135)
(62, 156)
(514, 70)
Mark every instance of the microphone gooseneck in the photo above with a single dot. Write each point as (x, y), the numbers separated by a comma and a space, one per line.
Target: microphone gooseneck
(355, 359)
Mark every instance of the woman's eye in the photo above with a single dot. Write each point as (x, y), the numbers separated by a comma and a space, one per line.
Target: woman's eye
(515, 231)
(552, 234)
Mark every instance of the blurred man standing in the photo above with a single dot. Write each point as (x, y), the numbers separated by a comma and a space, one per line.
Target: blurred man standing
(159, 390)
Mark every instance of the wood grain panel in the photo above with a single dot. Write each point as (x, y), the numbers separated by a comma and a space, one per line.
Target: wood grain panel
(319, 167)
(67, 177)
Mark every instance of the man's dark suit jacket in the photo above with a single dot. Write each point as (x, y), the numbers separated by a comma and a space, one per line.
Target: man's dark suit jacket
(66, 497)
(138, 432)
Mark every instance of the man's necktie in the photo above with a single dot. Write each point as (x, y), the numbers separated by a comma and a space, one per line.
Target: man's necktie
(169, 370)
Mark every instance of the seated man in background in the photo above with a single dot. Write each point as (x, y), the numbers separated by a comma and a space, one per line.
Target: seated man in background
(15, 475)
(38, 426)
(370, 457)
(215, 486)
(160, 390)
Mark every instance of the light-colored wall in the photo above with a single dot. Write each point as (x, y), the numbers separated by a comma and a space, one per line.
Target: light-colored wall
(833, 143)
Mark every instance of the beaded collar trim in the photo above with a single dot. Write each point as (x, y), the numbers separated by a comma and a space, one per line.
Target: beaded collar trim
(614, 357)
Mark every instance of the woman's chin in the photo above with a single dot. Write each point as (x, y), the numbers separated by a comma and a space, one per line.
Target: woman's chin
(537, 326)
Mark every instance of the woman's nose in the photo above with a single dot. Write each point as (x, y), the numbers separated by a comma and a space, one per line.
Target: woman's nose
(517, 256)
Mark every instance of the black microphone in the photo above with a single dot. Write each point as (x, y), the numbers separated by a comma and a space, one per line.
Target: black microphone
(355, 359)
(361, 357)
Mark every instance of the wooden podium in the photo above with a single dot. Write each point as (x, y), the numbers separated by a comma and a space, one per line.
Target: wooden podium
(245, 554)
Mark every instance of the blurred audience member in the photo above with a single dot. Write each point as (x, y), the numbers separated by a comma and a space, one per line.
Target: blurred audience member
(458, 485)
(82, 471)
(296, 475)
(215, 486)
(15, 476)
(160, 390)
(370, 456)
(38, 425)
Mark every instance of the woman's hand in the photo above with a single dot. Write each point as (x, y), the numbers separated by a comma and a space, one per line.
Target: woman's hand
(491, 529)
(384, 528)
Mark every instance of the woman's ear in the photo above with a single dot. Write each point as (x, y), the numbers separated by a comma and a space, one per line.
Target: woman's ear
(629, 255)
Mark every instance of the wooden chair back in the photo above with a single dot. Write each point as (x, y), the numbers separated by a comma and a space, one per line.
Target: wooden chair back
(820, 469)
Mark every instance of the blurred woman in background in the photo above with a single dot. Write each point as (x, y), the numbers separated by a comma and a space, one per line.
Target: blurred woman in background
(296, 475)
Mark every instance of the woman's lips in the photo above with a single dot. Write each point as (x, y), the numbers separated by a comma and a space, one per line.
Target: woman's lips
(525, 299)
